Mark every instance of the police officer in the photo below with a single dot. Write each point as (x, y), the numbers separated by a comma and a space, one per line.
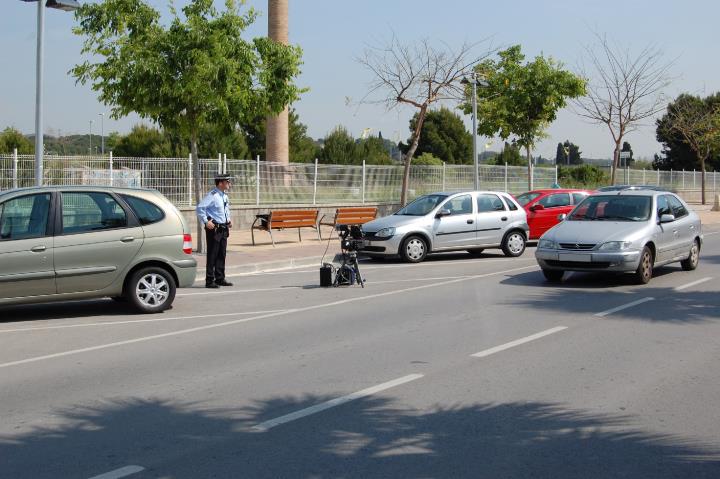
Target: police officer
(214, 212)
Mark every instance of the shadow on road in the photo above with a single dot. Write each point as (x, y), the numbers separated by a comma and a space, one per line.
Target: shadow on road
(67, 309)
(371, 437)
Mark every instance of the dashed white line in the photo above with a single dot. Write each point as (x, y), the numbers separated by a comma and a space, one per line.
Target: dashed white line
(624, 306)
(113, 323)
(264, 426)
(689, 285)
(518, 342)
(254, 318)
(118, 473)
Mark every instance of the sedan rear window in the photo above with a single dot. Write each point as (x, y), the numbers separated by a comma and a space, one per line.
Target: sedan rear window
(613, 208)
(146, 211)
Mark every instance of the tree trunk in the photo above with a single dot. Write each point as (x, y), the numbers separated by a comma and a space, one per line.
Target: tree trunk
(530, 173)
(410, 153)
(277, 132)
(197, 186)
(616, 161)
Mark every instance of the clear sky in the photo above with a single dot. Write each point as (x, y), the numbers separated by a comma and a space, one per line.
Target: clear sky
(333, 33)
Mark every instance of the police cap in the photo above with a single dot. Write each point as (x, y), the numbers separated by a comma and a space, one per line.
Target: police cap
(223, 177)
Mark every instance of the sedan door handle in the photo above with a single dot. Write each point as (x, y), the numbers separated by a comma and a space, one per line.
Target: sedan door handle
(504, 218)
(127, 239)
(470, 222)
(38, 249)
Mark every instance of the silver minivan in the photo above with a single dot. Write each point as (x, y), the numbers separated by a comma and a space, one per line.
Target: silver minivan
(62, 243)
(468, 220)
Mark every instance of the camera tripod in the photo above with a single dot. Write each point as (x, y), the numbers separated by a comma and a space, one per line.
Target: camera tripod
(348, 272)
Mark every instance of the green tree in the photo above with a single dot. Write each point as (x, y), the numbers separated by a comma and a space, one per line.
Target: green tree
(589, 176)
(510, 154)
(444, 136)
(427, 159)
(627, 149)
(11, 138)
(522, 99)
(339, 148)
(143, 142)
(193, 71)
(568, 153)
(373, 151)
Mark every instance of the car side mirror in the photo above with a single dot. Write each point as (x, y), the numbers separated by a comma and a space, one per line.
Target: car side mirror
(562, 217)
(667, 218)
(537, 207)
(442, 213)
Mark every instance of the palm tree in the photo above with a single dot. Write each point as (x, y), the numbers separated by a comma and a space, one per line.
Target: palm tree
(277, 136)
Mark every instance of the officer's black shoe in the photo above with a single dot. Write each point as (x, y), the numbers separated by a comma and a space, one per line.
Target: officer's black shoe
(224, 283)
(211, 285)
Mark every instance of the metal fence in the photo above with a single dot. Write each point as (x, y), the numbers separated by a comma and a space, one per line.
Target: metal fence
(263, 183)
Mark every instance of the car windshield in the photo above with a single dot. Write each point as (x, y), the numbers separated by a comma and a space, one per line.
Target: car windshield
(613, 208)
(422, 205)
(526, 198)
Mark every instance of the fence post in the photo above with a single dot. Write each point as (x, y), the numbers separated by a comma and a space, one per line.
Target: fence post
(556, 174)
(315, 182)
(671, 179)
(658, 176)
(644, 182)
(714, 178)
(443, 177)
(532, 176)
(190, 179)
(15, 168)
(219, 164)
(257, 180)
(111, 169)
(363, 182)
(506, 176)
(224, 163)
(694, 179)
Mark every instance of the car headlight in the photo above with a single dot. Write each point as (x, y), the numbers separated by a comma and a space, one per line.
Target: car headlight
(615, 246)
(547, 244)
(385, 233)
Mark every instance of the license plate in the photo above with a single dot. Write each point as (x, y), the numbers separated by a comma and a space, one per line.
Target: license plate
(581, 258)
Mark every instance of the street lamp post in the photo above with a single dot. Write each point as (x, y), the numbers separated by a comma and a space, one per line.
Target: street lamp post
(474, 81)
(102, 133)
(66, 5)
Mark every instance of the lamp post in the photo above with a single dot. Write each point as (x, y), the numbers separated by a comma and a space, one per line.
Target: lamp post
(475, 82)
(90, 136)
(66, 5)
(102, 133)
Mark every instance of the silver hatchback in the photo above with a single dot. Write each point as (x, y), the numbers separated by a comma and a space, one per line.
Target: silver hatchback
(469, 220)
(629, 231)
(61, 243)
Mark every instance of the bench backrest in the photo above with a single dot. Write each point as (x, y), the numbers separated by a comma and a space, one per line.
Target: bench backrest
(293, 218)
(355, 216)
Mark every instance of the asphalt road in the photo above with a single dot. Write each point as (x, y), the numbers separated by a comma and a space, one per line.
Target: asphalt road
(456, 367)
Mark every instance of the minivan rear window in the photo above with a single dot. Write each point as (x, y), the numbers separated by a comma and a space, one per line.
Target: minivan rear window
(147, 212)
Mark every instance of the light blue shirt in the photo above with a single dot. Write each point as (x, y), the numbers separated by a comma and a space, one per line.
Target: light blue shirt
(216, 205)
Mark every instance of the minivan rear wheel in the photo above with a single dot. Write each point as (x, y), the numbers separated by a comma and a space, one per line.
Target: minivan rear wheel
(151, 290)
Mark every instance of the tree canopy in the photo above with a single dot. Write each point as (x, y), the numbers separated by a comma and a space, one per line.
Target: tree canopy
(444, 137)
(11, 138)
(522, 99)
(568, 153)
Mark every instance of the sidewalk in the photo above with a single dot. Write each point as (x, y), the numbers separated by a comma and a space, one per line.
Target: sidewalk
(244, 258)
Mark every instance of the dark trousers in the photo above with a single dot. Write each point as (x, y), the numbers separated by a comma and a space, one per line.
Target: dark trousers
(216, 249)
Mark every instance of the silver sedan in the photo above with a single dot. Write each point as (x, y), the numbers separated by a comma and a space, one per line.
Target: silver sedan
(469, 220)
(631, 231)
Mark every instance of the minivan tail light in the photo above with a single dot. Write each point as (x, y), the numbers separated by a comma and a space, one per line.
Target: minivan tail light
(187, 244)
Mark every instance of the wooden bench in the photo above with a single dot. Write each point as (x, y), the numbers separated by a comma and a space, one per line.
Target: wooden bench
(285, 219)
(357, 215)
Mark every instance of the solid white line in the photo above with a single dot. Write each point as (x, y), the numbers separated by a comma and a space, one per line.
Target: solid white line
(233, 291)
(711, 233)
(518, 342)
(118, 473)
(624, 306)
(264, 426)
(685, 286)
(112, 323)
(263, 316)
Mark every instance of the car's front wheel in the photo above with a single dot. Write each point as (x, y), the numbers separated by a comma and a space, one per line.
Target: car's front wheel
(693, 259)
(414, 249)
(151, 290)
(513, 244)
(644, 271)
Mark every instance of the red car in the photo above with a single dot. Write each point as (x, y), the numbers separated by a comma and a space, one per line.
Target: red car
(544, 206)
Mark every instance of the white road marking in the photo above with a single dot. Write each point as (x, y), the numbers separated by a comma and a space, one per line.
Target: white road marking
(624, 306)
(685, 286)
(112, 323)
(254, 318)
(518, 342)
(235, 291)
(265, 426)
(711, 233)
(118, 473)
